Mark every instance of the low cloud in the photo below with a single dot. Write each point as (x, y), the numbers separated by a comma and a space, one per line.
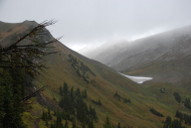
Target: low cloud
(84, 22)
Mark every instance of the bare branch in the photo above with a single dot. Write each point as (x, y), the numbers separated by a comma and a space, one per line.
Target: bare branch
(33, 32)
(32, 94)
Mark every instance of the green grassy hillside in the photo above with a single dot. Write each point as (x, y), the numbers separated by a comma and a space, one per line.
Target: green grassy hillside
(121, 100)
(175, 69)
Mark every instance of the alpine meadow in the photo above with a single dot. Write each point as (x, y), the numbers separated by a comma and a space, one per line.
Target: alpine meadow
(119, 64)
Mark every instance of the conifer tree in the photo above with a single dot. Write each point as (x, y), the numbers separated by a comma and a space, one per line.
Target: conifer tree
(118, 125)
(65, 88)
(84, 94)
(74, 123)
(20, 63)
(66, 124)
(107, 123)
(91, 124)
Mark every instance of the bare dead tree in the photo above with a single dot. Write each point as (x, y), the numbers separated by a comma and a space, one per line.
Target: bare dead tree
(27, 57)
(32, 94)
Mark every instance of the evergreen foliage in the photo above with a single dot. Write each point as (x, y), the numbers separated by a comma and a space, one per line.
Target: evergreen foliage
(120, 98)
(155, 112)
(81, 69)
(177, 97)
(169, 123)
(58, 122)
(73, 105)
(98, 102)
(107, 123)
(162, 90)
(20, 62)
(118, 125)
(184, 117)
(66, 124)
(187, 103)
(46, 115)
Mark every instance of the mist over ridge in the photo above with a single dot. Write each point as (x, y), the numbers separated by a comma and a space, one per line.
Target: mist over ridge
(84, 22)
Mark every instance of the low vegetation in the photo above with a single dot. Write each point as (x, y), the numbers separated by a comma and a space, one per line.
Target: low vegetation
(184, 117)
(120, 98)
(97, 102)
(187, 103)
(170, 123)
(155, 112)
(162, 90)
(177, 97)
(81, 69)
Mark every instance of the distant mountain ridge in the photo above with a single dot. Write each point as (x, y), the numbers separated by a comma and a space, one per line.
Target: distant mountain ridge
(165, 48)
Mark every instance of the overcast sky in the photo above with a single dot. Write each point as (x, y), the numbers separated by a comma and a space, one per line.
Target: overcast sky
(85, 22)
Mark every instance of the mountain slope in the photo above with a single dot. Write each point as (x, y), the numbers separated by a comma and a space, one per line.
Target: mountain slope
(100, 81)
(168, 63)
(165, 56)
